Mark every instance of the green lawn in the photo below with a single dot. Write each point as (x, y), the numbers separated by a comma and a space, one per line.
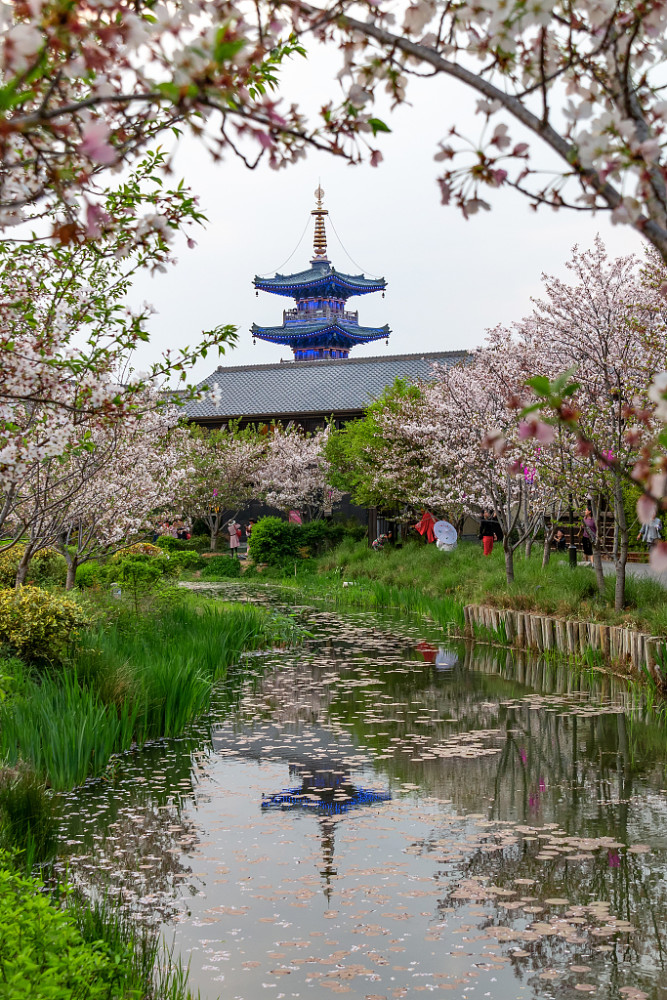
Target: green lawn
(468, 577)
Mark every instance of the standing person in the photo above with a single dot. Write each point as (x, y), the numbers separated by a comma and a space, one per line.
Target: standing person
(248, 530)
(650, 532)
(234, 531)
(425, 526)
(560, 540)
(588, 533)
(488, 531)
(497, 530)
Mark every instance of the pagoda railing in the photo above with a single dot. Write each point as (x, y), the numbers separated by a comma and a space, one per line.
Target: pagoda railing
(292, 315)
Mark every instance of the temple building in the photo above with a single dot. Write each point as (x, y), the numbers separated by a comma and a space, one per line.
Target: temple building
(323, 383)
(320, 327)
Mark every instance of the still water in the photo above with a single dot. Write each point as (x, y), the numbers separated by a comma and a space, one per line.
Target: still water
(381, 814)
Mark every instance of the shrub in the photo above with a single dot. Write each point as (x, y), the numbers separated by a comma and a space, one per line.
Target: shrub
(221, 568)
(37, 624)
(42, 952)
(138, 575)
(200, 543)
(89, 574)
(275, 541)
(187, 560)
(170, 544)
(46, 566)
(138, 549)
(321, 536)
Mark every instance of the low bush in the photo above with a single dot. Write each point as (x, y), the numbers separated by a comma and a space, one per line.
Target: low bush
(42, 952)
(38, 625)
(138, 576)
(200, 543)
(220, 568)
(187, 560)
(76, 951)
(170, 544)
(138, 549)
(89, 574)
(322, 536)
(275, 541)
(46, 567)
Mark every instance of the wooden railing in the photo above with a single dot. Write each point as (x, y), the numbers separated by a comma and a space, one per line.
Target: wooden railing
(306, 314)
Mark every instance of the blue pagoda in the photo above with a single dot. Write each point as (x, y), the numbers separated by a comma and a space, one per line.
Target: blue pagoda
(320, 326)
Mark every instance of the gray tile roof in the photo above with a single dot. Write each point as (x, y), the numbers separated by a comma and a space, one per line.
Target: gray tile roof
(310, 387)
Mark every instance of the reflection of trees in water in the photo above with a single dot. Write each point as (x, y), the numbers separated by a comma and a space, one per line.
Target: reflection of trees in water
(554, 763)
(126, 837)
(635, 890)
(576, 770)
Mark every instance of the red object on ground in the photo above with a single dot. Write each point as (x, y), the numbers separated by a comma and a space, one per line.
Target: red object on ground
(487, 542)
(425, 526)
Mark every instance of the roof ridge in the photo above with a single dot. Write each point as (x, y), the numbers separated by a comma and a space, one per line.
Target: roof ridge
(319, 363)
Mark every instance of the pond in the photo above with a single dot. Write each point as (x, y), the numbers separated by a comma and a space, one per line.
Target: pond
(382, 814)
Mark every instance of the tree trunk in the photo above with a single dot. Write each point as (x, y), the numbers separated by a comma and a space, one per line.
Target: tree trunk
(23, 567)
(214, 539)
(597, 563)
(546, 551)
(72, 564)
(529, 546)
(509, 563)
(623, 545)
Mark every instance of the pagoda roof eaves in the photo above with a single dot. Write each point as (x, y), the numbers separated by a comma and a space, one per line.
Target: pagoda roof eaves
(284, 284)
(298, 333)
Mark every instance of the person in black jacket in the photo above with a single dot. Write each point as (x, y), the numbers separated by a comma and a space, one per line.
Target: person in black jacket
(489, 531)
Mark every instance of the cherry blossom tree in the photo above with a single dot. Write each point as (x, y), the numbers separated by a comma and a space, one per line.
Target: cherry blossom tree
(609, 327)
(98, 499)
(220, 474)
(67, 334)
(294, 474)
(129, 480)
(87, 85)
(464, 439)
(581, 83)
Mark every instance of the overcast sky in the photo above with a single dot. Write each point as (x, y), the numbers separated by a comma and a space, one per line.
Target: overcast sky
(448, 279)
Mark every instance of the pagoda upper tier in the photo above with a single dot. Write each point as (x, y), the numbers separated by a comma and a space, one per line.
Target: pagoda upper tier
(320, 326)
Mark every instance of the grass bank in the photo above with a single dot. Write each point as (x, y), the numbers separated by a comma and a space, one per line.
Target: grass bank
(126, 681)
(422, 579)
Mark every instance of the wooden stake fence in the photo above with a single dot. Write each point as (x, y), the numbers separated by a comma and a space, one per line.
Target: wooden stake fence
(526, 630)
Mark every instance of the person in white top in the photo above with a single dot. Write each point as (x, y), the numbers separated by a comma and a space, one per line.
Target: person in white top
(650, 532)
(234, 530)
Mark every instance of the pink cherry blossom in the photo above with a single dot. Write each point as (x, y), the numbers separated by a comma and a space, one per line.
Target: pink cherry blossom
(95, 143)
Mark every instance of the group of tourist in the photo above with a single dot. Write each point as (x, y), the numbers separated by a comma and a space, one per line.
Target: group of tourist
(180, 528)
(490, 532)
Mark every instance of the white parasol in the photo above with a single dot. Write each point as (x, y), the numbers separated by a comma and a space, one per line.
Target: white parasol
(445, 532)
(446, 659)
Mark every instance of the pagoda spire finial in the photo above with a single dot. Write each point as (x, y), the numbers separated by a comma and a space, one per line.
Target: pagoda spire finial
(320, 237)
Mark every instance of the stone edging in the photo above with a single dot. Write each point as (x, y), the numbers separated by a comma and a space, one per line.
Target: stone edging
(528, 630)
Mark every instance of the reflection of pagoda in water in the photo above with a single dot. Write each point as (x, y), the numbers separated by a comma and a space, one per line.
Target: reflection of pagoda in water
(329, 793)
(320, 326)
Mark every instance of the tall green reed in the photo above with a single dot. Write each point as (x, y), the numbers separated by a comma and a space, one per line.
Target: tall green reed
(64, 730)
(128, 681)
